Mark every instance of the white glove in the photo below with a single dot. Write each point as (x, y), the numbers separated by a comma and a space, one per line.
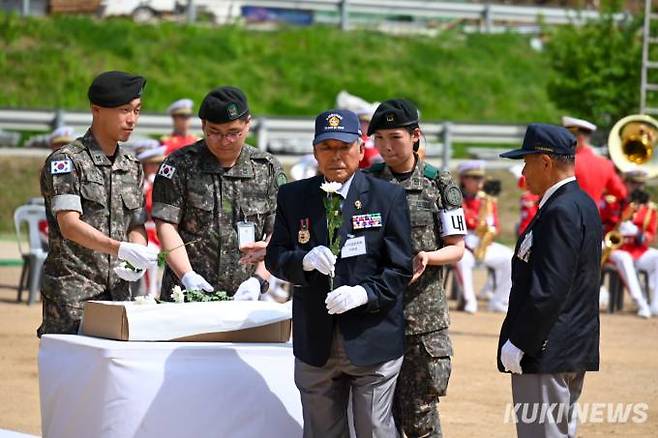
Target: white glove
(128, 274)
(140, 256)
(320, 258)
(511, 357)
(346, 298)
(249, 290)
(193, 281)
(628, 228)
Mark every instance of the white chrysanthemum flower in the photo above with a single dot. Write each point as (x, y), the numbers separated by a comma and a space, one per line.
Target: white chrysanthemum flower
(177, 294)
(145, 300)
(331, 187)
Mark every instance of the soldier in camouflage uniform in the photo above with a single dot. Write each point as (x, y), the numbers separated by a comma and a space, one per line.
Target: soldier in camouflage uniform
(437, 239)
(93, 197)
(206, 192)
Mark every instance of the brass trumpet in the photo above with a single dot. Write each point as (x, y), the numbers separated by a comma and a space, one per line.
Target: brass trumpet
(613, 238)
(484, 230)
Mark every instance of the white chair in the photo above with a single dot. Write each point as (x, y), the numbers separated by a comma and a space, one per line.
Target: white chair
(34, 258)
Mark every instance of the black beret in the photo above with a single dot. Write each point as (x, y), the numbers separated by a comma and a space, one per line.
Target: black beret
(393, 113)
(115, 88)
(223, 104)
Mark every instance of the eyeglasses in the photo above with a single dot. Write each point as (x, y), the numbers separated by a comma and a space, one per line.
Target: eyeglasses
(230, 136)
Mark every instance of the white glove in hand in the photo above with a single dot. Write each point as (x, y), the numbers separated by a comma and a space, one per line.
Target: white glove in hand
(140, 256)
(628, 228)
(511, 357)
(249, 290)
(128, 274)
(346, 298)
(321, 259)
(193, 281)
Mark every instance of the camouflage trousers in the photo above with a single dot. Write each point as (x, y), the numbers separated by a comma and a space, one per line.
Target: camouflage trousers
(423, 379)
(60, 318)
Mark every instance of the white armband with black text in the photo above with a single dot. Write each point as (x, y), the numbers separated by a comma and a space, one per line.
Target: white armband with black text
(453, 222)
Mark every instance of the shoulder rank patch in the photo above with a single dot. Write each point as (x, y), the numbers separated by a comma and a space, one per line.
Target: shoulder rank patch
(167, 171)
(60, 166)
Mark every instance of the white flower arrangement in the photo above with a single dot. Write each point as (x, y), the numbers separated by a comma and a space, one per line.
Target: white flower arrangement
(180, 296)
(177, 294)
(142, 300)
(331, 187)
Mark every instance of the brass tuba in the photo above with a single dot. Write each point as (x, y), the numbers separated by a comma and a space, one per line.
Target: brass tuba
(632, 144)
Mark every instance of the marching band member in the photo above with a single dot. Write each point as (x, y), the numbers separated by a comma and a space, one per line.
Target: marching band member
(481, 213)
(181, 116)
(635, 220)
(151, 157)
(595, 174)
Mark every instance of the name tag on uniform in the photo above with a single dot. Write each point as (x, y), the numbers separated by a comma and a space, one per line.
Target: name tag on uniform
(246, 233)
(452, 222)
(363, 221)
(525, 247)
(354, 247)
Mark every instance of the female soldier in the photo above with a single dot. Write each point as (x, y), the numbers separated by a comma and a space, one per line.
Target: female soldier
(438, 228)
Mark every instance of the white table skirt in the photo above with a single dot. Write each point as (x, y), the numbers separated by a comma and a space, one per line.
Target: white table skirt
(99, 388)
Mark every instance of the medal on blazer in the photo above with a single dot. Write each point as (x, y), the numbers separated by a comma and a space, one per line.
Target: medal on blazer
(304, 235)
(363, 221)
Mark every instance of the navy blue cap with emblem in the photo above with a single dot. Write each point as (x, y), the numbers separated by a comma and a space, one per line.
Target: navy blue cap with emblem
(342, 125)
(223, 104)
(542, 138)
(115, 88)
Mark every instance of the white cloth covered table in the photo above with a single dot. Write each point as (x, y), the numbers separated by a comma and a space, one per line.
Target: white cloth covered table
(92, 387)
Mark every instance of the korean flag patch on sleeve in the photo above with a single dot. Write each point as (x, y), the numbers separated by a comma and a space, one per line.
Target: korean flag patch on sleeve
(167, 171)
(60, 166)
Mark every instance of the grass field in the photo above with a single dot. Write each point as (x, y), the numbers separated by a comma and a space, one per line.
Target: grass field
(49, 62)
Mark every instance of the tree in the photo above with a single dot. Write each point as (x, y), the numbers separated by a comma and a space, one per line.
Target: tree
(596, 69)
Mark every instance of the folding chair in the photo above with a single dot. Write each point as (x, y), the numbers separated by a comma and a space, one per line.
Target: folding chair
(33, 258)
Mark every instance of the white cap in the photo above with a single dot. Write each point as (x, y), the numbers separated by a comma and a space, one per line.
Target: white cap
(366, 112)
(62, 134)
(471, 167)
(155, 155)
(306, 167)
(140, 145)
(572, 122)
(181, 106)
(357, 105)
(517, 171)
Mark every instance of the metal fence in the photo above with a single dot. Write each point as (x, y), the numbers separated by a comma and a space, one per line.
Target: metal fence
(353, 11)
(279, 135)
(486, 13)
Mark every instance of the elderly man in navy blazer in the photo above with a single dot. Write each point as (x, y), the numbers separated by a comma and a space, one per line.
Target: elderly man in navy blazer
(550, 336)
(349, 339)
